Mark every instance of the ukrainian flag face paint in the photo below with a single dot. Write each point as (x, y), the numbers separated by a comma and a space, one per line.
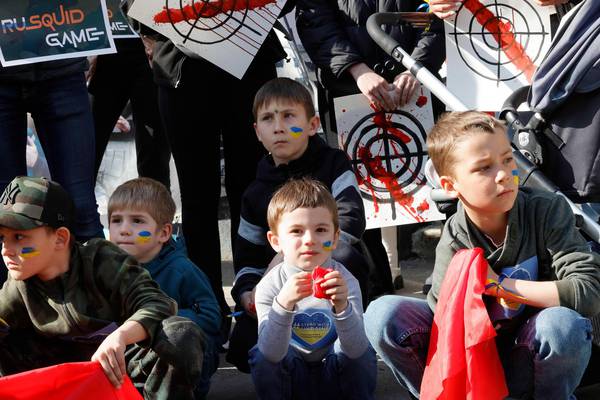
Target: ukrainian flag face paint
(515, 173)
(29, 252)
(296, 132)
(143, 237)
(328, 245)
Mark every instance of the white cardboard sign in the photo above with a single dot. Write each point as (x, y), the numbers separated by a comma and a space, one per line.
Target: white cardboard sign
(387, 151)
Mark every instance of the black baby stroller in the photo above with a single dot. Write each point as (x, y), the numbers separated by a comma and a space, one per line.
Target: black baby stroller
(559, 148)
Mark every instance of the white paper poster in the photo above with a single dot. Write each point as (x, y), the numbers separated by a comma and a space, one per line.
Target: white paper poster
(228, 33)
(388, 153)
(493, 48)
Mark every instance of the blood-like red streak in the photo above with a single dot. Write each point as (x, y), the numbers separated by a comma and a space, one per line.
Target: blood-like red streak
(424, 206)
(378, 171)
(503, 35)
(385, 122)
(206, 10)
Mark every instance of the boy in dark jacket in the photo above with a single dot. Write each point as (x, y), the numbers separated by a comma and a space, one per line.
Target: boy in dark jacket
(140, 212)
(66, 302)
(286, 125)
(543, 281)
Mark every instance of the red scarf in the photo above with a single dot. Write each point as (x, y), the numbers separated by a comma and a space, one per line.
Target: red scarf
(463, 361)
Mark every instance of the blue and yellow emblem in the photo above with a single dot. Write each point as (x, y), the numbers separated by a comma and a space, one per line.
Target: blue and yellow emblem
(296, 132)
(515, 173)
(328, 245)
(28, 252)
(143, 237)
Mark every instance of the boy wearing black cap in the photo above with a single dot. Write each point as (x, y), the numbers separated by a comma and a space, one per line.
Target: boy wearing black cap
(66, 302)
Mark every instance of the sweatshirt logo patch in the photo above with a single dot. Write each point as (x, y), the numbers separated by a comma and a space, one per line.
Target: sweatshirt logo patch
(506, 309)
(313, 330)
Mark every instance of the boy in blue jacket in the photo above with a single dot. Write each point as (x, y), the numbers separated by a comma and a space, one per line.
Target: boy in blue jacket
(140, 212)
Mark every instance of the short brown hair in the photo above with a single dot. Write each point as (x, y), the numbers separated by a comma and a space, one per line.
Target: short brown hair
(144, 194)
(451, 129)
(300, 193)
(286, 90)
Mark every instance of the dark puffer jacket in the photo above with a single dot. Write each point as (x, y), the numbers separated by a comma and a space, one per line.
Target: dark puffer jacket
(335, 36)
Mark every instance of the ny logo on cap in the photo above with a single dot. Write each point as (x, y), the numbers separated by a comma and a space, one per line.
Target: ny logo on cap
(10, 194)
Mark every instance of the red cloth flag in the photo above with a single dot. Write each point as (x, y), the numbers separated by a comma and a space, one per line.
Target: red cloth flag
(70, 381)
(463, 361)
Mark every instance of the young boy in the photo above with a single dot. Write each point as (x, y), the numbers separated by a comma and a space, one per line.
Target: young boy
(140, 215)
(66, 302)
(286, 125)
(534, 251)
(309, 347)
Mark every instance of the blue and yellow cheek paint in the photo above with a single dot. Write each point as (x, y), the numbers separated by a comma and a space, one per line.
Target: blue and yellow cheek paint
(515, 173)
(29, 252)
(296, 131)
(328, 245)
(143, 237)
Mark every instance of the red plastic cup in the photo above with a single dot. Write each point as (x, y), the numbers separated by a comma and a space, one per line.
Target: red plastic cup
(318, 275)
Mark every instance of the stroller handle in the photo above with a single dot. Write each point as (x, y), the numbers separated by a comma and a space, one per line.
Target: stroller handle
(391, 46)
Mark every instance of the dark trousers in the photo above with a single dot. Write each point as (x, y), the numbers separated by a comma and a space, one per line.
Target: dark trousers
(170, 369)
(209, 105)
(119, 78)
(63, 121)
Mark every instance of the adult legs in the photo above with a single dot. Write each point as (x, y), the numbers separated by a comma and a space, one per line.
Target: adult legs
(192, 124)
(13, 136)
(64, 123)
(548, 356)
(399, 328)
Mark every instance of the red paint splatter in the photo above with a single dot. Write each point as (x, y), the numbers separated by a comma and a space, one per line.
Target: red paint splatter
(383, 121)
(343, 110)
(375, 167)
(424, 206)
(502, 33)
(206, 10)
(421, 101)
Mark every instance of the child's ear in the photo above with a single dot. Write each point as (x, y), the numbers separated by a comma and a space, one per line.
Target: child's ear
(314, 124)
(257, 132)
(63, 238)
(164, 233)
(447, 183)
(274, 241)
(336, 239)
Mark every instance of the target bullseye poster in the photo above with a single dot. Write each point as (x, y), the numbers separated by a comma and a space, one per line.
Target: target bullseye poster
(388, 153)
(493, 47)
(228, 33)
(39, 30)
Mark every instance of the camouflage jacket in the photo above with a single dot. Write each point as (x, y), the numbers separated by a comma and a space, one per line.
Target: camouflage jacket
(103, 286)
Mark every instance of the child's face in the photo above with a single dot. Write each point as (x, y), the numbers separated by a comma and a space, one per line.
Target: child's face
(138, 234)
(484, 177)
(283, 128)
(28, 253)
(305, 236)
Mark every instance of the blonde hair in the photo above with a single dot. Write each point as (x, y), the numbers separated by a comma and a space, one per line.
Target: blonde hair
(451, 129)
(300, 193)
(144, 194)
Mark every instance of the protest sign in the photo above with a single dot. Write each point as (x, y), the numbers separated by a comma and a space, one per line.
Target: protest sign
(119, 24)
(36, 30)
(224, 32)
(387, 151)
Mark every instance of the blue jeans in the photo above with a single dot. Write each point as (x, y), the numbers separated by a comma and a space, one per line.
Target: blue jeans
(63, 119)
(544, 359)
(336, 377)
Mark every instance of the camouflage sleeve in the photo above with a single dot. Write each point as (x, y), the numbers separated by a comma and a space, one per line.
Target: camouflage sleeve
(133, 292)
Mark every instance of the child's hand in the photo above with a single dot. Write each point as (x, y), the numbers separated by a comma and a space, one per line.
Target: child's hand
(336, 288)
(491, 290)
(247, 300)
(296, 288)
(111, 355)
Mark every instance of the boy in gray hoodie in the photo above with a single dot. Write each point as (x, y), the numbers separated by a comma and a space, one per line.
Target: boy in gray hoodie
(543, 279)
(309, 347)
